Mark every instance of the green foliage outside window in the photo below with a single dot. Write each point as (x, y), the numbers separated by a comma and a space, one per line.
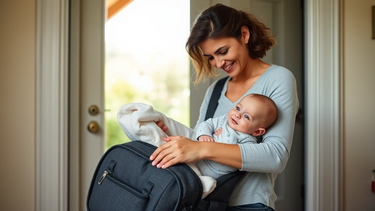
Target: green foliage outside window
(169, 95)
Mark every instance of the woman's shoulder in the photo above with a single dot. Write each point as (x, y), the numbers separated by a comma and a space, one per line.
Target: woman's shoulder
(276, 82)
(277, 76)
(276, 71)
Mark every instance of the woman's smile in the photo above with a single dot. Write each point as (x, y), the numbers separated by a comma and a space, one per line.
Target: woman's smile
(228, 68)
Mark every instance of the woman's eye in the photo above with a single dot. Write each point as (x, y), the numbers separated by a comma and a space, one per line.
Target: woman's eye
(224, 52)
(237, 108)
(210, 58)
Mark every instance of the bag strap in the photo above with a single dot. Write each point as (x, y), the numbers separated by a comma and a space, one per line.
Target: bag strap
(214, 100)
(218, 199)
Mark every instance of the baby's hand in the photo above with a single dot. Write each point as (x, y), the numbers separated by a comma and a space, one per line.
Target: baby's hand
(218, 132)
(206, 138)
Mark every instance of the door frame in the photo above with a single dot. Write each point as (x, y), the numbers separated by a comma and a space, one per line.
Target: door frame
(57, 133)
(324, 95)
(52, 121)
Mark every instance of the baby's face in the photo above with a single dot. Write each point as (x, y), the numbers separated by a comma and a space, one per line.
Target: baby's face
(246, 116)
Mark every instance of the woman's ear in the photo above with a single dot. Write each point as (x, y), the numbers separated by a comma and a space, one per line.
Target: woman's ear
(259, 132)
(245, 34)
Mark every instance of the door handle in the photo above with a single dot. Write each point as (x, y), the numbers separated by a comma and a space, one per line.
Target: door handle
(93, 110)
(93, 127)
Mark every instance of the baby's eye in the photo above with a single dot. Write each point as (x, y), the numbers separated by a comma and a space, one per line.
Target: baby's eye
(246, 117)
(237, 108)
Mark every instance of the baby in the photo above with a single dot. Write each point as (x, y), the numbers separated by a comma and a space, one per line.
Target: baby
(246, 122)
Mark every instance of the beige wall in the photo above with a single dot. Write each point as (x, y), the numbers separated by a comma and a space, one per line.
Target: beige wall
(359, 98)
(17, 107)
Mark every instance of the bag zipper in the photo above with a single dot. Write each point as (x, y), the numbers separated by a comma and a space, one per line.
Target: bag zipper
(113, 179)
(102, 177)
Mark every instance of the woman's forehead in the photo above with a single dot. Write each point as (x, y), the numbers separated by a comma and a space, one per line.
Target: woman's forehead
(210, 45)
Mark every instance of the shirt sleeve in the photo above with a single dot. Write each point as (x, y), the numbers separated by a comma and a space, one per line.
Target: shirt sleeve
(208, 127)
(204, 128)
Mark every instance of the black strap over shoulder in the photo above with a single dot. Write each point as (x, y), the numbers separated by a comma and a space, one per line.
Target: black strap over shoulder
(214, 100)
(218, 199)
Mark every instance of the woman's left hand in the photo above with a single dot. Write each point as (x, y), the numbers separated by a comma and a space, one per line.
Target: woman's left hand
(178, 149)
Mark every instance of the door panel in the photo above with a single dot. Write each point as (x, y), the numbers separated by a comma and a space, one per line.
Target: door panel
(91, 90)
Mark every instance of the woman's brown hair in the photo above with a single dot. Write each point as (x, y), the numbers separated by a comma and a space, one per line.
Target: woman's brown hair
(220, 21)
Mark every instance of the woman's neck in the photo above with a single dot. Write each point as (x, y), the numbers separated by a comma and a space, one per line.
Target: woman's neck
(240, 84)
(253, 69)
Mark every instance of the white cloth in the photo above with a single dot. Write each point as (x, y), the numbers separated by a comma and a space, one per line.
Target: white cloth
(138, 121)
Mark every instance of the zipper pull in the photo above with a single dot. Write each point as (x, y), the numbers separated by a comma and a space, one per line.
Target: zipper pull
(102, 178)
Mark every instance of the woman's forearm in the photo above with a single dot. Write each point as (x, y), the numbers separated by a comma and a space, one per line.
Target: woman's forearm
(178, 149)
(227, 154)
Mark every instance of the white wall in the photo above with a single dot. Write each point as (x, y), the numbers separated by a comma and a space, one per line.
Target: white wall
(17, 107)
(359, 108)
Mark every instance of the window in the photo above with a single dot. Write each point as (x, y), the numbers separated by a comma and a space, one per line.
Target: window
(146, 61)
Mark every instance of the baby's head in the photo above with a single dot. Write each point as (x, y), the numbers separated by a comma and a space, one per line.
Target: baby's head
(253, 115)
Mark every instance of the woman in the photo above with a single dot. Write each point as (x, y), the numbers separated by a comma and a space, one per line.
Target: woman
(235, 41)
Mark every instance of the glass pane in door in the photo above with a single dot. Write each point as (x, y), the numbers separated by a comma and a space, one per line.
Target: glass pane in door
(146, 61)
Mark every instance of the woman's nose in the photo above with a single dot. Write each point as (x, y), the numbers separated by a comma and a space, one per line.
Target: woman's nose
(218, 62)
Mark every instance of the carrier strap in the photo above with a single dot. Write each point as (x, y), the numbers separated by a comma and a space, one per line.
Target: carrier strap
(214, 100)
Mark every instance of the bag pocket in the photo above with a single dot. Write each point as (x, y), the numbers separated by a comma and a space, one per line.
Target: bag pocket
(113, 194)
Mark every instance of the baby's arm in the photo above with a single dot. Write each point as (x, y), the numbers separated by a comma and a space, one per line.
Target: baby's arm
(206, 130)
(209, 138)
(206, 138)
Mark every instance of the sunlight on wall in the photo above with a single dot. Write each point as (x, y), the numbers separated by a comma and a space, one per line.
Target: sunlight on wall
(146, 61)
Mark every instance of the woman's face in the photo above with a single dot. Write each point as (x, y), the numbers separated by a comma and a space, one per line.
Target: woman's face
(228, 54)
